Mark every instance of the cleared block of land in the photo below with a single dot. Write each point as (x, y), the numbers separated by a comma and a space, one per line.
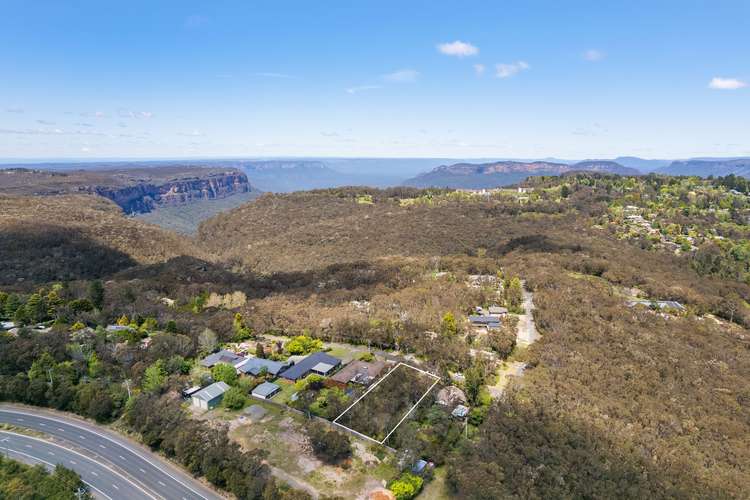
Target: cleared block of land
(388, 403)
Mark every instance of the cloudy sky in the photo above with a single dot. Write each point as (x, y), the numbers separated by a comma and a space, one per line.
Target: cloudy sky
(91, 79)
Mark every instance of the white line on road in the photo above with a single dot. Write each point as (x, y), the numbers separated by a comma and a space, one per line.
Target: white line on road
(115, 486)
(94, 473)
(80, 455)
(53, 465)
(159, 467)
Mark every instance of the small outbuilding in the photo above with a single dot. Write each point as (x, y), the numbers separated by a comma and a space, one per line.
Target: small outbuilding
(266, 390)
(210, 397)
(460, 411)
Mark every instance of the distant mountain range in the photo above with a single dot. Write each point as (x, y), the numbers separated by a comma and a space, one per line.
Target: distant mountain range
(298, 174)
(504, 173)
(706, 167)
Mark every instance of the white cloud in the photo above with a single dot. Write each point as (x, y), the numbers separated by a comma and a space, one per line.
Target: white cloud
(458, 49)
(145, 114)
(479, 69)
(508, 70)
(719, 83)
(356, 90)
(45, 122)
(14, 110)
(402, 76)
(593, 55)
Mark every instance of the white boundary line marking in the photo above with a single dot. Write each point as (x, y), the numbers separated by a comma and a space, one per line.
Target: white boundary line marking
(35, 459)
(373, 386)
(55, 445)
(409, 412)
(122, 445)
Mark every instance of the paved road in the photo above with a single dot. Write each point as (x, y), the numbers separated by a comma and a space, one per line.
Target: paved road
(154, 475)
(102, 481)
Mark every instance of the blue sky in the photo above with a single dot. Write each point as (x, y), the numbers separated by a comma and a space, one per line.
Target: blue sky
(93, 79)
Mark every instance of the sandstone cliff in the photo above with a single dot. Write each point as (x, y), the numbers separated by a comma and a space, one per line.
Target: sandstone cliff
(144, 197)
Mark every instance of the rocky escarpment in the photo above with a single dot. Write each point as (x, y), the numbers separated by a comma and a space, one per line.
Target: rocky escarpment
(146, 196)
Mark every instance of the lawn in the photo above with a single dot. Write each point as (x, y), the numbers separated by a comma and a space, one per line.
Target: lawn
(287, 389)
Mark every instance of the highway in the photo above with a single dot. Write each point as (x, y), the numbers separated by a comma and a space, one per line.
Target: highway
(115, 468)
(102, 481)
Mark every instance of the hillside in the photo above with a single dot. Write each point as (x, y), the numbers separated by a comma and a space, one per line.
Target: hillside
(505, 173)
(66, 237)
(705, 168)
(619, 401)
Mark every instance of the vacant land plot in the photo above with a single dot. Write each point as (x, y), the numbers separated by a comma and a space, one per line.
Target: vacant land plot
(388, 403)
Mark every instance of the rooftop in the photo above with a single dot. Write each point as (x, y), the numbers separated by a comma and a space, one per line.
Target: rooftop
(304, 366)
(266, 389)
(255, 366)
(363, 369)
(212, 391)
(222, 356)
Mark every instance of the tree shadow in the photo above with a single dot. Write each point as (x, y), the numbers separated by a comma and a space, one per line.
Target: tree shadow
(45, 253)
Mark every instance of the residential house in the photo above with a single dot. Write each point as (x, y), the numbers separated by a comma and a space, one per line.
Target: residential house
(266, 390)
(256, 366)
(222, 356)
(358, 372)
(317, 362)
(209, 397)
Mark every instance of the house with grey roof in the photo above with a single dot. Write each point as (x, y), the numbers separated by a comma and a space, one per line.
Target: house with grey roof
(256, 366)
(222, 356)
(209, 397)
(266, 390)
(317, 362)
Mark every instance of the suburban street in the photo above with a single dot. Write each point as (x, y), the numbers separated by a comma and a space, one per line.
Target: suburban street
(115, 467)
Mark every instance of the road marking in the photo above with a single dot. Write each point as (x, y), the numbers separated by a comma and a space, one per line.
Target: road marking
(162, 483)
(122, 458)
(142, 470)
(124, 444)
(61, 429)
(80, 455)
(82, 437)
(115, 486)
(51, 453)
(53, 465)
(74, 462)
(102, 447)
(42, 424)
(94, 473)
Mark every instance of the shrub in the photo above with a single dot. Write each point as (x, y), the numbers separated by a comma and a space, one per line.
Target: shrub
(223, 372)
(407, 486)
(234, 399)
(328, 445)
